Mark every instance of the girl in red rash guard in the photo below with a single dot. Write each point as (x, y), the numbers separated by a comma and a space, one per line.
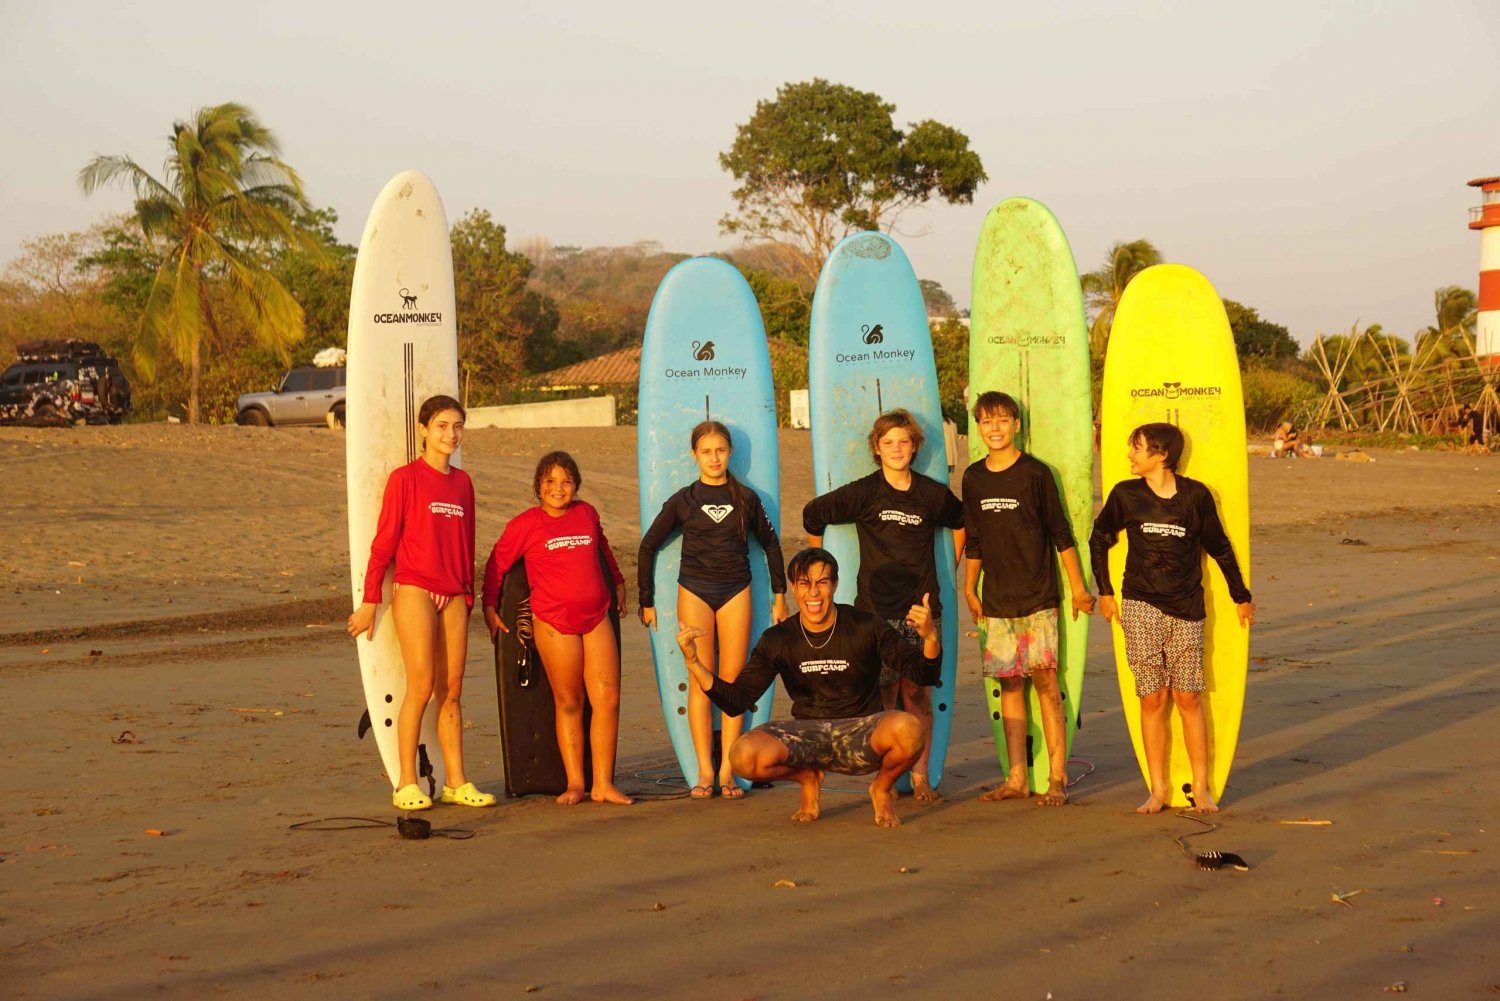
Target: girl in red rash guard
(427, 526)
(561, 541)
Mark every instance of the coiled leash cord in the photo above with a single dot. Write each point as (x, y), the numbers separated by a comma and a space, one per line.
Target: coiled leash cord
(410, 828)
(1209, 860)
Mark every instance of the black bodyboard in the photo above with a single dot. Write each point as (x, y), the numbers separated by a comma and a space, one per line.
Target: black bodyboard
(528, 724)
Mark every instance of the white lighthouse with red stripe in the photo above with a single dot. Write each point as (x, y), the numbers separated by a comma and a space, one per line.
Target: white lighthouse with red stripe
(1485, 217)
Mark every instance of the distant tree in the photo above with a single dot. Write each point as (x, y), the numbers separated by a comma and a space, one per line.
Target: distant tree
(602, 296)
(1455, 310)
(937, 299)
(1258, 338)
(50, 291)
(320, 282)
(784, 305)
(1103, 288)
(823, 160)
(225, 195)
(950, 349)
(499, 318)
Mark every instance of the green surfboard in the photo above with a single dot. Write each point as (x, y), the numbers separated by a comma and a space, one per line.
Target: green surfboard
(1028, 337)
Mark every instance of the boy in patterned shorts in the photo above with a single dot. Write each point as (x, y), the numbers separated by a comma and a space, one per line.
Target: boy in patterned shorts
(1169, 520)
(1013, 522)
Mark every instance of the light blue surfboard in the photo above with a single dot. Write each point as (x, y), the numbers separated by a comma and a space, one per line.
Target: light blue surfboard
(870, 350)
(704, 357)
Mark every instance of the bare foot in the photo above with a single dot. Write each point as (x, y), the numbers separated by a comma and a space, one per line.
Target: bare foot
(1014, 788)
(570, 797)
(807, 812)
(1204, 800)
(1056, 794)
(885, 808)
(921, 789)
(1152, 805)
(607, 793)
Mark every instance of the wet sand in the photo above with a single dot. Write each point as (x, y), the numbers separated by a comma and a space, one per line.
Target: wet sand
(188, 585)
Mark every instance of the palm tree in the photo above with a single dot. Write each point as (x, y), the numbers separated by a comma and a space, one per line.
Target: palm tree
(226, 197)
(1455, 309)
(1103, 288)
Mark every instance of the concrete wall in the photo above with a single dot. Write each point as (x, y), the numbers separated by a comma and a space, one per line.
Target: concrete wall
(592, 412)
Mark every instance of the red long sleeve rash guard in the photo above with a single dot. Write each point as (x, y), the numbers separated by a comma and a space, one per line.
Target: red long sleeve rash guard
(427, 525)
(568, 589)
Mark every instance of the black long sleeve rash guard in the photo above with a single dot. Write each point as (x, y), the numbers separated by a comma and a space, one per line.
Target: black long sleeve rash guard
(1163, 566)
(713, 545)
(895, 529)
(1013, 523)
(837, 678)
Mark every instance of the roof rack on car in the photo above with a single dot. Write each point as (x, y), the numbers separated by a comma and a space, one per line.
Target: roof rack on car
(57, 350)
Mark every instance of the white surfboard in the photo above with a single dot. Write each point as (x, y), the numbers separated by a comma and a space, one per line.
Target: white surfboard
(403, 348)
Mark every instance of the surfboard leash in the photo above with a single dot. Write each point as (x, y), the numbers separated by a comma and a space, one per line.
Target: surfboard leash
(410, 828)
(1211, 859)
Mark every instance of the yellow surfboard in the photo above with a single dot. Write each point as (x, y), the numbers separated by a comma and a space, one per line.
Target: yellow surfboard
(1171, 358)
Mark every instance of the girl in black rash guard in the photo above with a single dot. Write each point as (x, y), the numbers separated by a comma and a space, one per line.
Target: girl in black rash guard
(716, 513)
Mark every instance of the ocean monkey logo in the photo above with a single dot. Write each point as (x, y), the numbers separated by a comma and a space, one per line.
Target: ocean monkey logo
(408, 301)
(703, 350)
(873, 335)
(1176, 390)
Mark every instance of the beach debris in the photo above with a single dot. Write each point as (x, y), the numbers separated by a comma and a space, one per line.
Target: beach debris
(127, 737)
(1343, 898)
(77, 563)
(907, 871)
(1353, 542)
(1449, 851)
(242, 709)
(658, 906)
(1399, 987)
(1307, 822)
(785, 884)
(96, 653)
(156, 832)
(1438, 901)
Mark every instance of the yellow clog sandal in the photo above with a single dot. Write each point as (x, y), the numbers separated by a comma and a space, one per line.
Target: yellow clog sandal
(468, 795)
(411, 798)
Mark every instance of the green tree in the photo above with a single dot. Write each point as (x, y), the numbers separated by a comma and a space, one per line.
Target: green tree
(320, 282)
(1103, 288)
(937, 299)
(226, 195)
(823, 160)
(1455, 309)
(499, 318)
(784, 306)
(1255, 337)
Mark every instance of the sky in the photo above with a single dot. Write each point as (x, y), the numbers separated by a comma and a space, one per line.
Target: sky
(1309, 158)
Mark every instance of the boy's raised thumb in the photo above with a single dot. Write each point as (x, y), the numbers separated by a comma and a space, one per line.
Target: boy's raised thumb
(926, 601)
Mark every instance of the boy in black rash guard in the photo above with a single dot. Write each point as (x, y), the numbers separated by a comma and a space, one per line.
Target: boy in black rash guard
(1168, 520)
(1014, 520)
(829, 658)
(896, 513)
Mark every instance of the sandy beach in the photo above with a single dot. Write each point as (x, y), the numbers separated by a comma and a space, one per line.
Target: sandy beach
(188, 586)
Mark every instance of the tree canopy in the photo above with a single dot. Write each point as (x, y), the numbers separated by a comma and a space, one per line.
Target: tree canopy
(224, 197)
(1258, 338)
(823, 160)
(1103, 287)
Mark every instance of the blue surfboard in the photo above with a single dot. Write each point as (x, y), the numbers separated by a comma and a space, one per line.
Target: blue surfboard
(704, 357)
(870, 350)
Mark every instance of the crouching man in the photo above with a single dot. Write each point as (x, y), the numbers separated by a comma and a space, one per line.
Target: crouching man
(829, 659)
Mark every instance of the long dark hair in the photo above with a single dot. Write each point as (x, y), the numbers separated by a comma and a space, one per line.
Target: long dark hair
(736, 489)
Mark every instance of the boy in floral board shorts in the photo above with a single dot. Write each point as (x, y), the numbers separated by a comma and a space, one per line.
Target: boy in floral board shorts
(1013, 522)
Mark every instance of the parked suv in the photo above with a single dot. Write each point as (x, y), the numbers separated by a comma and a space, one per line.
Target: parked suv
(63, 381)
(308, 394)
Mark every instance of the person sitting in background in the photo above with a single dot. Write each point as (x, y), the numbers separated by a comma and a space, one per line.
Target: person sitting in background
(1286, 444)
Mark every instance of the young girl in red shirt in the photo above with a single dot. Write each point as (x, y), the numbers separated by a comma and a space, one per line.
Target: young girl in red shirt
(562, 541)
(427, 526)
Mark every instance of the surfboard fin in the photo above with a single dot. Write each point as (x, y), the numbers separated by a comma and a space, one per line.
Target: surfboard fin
(364, 725)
